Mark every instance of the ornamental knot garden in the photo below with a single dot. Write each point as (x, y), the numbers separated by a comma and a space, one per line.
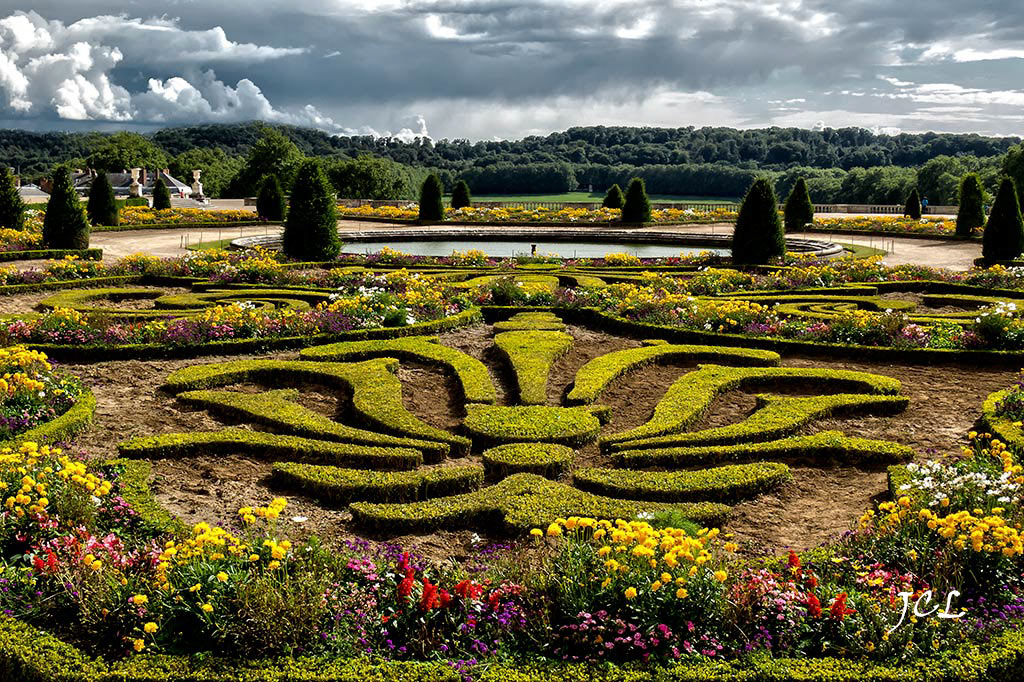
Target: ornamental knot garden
(510, 467)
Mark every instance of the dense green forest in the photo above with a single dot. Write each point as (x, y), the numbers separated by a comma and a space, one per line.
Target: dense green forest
(841, 165)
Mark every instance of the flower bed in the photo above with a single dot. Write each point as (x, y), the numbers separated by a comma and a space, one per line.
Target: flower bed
(889, 224)
(520, 214)
(143, 215)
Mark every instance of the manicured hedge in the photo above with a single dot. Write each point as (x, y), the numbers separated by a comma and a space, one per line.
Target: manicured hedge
(179, 226)
(1002, 427)
(692, 394)
(727, 483)
(376, 391)
(518, 503)
(531, 322)
(544, 459)
(776, 417)
(338, 486)
(57, 254)
(278, 410)
(133, 486)
(269, 445)
(531, 355)
(826, 444)
(496, 425)
(595, 376)
(473, 376)
(63, 427)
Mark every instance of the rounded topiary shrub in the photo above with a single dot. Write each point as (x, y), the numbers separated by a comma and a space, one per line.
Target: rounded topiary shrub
(799, 211)
(64, 225)
(161, 195)
(912, 209)
(1004, 234)
(637, 207)
(758, 236)
(311, 230)
(12, 208)
(613, 197)
(102, 208)
(544, 459)
(971, 214)
(460, 195)
(270, 203)
(431, 202)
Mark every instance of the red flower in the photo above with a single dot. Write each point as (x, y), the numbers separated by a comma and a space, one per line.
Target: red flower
(812, 580)
(428, 599)
(445, 599)
(813, 606)
(405, 587)
(793, 562)
(467, 589)
(839, 609)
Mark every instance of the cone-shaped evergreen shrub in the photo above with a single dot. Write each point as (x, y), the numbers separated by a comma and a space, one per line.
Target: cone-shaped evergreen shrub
(460, 195)
(102, 208)
(758, 235)
(161, 195)
(799, 210)
(270, 203)
(1004, 233)
(12, 209)
(431, 203)
(637, 207)
(912, 209)
(971, 214)
(64, 225)
(311, 230)
(613, 198)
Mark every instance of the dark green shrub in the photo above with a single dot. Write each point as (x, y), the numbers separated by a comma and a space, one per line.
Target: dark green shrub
(912, 209)
(12, 209)
(161, 195)
(311, 231)
(270, 203)
(971, 214)
(460, 195)
(758, 236)
(1004, 233)
(637, 207)
(431, 203)
(613, 198)
(799, 210)
(102, 208)
(65, 225)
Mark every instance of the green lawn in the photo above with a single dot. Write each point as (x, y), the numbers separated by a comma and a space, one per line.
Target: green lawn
(598, 196)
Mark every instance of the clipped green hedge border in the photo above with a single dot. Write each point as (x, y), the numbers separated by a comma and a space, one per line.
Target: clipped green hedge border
(544, 459)
(825, 444)
(63, 427)
(531, 355)
(38, 254)
(728, 483)
(491, 425)
(531, 322)
(133, 481)
(1002, 427)
(337, 486)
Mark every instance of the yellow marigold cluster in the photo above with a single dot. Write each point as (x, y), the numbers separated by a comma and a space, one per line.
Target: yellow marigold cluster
(143, 215)
(271, 511)
(28, 473)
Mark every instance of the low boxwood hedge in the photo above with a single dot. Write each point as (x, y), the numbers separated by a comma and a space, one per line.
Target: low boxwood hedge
(133, 486)
(337, 486)
(64, 426)
(531, 355)
(537, 321)
(727, 483)
(1003, 428)
(518, 503)
(496, 425)
(544, 459)
(473, 377)
(56, 254)
(595, 376)
(269, 445)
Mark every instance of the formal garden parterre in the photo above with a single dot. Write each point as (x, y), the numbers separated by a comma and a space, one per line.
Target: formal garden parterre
(468, 468)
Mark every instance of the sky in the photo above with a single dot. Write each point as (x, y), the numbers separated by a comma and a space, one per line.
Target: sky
(498, 69)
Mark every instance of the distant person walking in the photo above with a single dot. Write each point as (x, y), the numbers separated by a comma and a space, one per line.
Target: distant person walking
(924, 203)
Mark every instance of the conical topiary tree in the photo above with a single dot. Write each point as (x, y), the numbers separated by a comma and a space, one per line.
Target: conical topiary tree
(460, 195)
(64, 225)
(1004, 234)
(799, 210)
(431, 202)
(912, 209)
(102, 208)
(613, 197)
(270, 203)
(637, 207)
(12, 208)
(971, 214)
(758, 236)
(311, 230)
(161, 195)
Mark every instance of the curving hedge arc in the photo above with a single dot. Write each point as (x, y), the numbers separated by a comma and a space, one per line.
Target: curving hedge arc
(531, 355)
(64, 426)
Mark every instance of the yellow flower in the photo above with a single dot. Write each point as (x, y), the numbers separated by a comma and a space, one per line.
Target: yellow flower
(630, 592)
(222, 577)
(138, 599)
(138, 645)
(721, 576)
(207, 608)
(536, 532)
(150, 628)
(681, 593)
(554, 529)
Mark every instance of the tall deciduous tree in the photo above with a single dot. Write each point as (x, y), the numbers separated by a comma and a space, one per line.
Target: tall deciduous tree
(431, 203)
(311, 230)
(12, 208)
(799, 210)
(65, 225)
(971, 213)
(270, 203)
(912, 209)
(460, 195)
(758, 236)
(613, 197)
(102, 208)
(1004, 233)
(637, 207)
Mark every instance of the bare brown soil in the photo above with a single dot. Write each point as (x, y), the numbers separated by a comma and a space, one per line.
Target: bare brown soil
(822, 501)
